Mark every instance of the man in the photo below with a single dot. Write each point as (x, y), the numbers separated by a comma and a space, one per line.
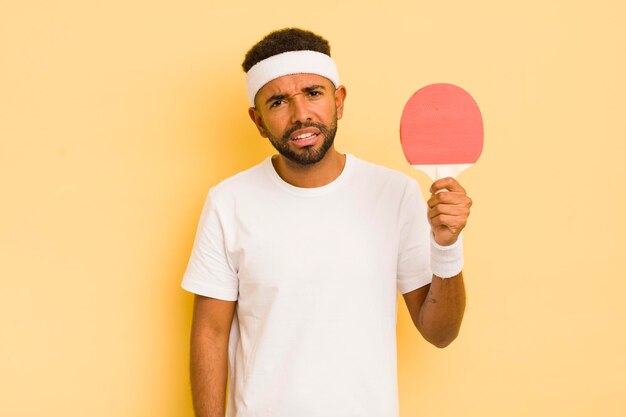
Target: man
(298, 260)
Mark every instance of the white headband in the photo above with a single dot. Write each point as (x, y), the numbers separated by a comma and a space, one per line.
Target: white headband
(287, 63)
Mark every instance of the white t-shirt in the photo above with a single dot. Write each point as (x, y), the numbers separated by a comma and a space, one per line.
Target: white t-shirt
(315, 272)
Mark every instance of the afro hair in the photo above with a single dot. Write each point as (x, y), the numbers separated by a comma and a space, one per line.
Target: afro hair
(285, 40)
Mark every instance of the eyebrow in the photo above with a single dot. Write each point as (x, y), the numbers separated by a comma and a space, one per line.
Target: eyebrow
(313, 88)
(305, 90)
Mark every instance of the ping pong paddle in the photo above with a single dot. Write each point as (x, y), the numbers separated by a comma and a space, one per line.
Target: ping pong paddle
(441, 130)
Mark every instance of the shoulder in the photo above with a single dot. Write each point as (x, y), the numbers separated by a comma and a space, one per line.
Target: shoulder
(389, 186)
(243, 183)
(381, 176)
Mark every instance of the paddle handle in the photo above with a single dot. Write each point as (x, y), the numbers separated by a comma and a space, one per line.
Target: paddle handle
(436, 172)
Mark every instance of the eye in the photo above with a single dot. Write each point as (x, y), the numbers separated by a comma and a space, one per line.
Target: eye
(315, 93)
(276, 103)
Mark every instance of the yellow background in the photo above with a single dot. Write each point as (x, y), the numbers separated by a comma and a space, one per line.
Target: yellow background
(117, 116)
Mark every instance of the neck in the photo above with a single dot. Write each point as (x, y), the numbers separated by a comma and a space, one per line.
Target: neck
(310, 176)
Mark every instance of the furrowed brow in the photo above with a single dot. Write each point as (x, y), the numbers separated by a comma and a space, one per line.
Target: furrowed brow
(313, 88)
(284, 96)
(276, 97)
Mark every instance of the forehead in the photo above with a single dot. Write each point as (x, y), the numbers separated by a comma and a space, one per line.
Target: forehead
(290, 84)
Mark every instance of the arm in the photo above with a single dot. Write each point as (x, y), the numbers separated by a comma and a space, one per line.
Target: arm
(210, 331)
(437, 309)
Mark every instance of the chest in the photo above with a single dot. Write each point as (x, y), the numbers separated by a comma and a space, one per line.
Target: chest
(323, 242)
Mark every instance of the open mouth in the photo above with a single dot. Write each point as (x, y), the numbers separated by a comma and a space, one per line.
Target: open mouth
(305, 137)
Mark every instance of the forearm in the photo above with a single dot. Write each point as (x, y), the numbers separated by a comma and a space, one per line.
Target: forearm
(441, 313)
(209, 371)
(210, 331)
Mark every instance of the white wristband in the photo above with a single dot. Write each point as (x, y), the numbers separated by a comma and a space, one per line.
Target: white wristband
(446, 261)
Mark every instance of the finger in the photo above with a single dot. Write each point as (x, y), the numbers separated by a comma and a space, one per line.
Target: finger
(450, 210)
(454, 223)
(449, 198)
(447, 183)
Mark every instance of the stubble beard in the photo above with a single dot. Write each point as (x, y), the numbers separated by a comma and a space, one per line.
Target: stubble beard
(307, 155)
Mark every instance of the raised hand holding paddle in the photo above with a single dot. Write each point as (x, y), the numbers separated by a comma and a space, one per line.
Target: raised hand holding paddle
(441, 133)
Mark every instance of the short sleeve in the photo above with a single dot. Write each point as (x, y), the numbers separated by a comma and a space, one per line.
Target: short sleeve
(209, 272)
(414, 251)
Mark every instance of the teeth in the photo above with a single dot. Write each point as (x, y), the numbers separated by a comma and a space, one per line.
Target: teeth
(304, 136)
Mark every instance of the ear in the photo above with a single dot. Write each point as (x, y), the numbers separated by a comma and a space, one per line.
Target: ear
(255, 116)
(340, 97)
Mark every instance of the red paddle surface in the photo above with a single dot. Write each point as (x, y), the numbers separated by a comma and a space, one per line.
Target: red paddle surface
(441, 125)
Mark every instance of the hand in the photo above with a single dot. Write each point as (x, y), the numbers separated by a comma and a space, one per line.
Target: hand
(448, 210)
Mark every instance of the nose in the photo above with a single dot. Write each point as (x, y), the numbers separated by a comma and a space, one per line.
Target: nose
(300, 111)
